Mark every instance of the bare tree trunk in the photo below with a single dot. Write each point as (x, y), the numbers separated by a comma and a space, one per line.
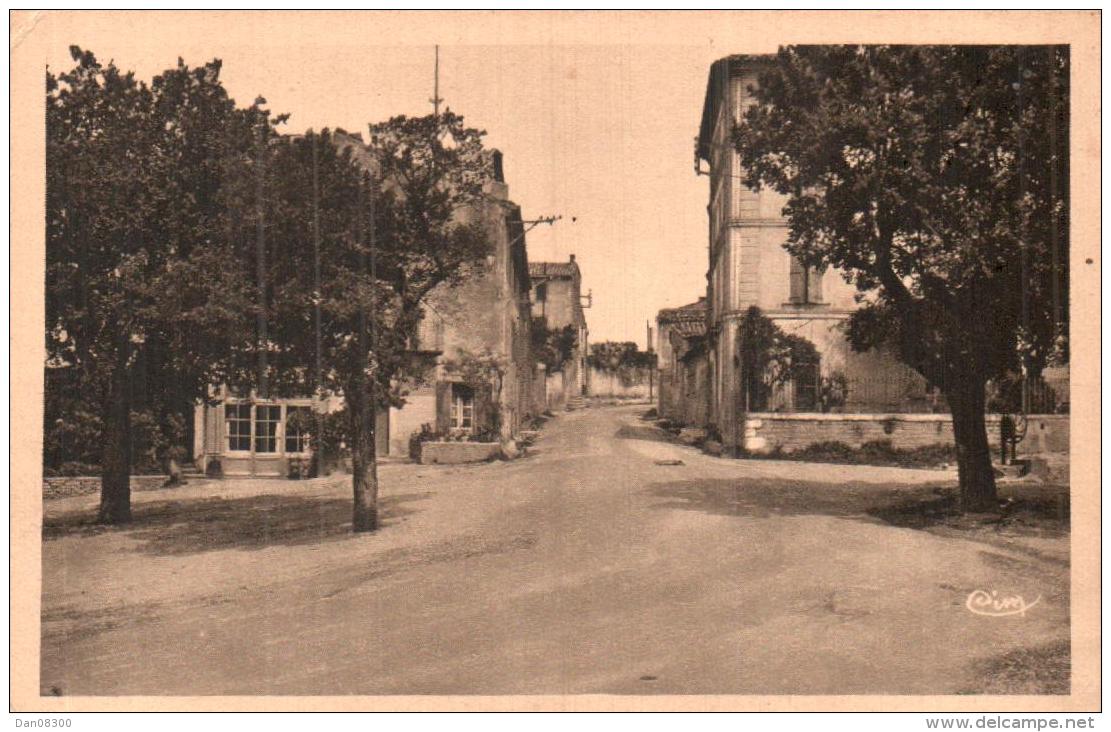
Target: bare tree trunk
(115, 464)
(976, 475)
(364, 463)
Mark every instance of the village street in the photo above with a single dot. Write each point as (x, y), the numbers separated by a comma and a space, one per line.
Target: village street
(585, 567)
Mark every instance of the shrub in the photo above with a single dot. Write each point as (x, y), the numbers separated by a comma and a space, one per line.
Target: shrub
(875, 452)
(419, 437)
(832, 451)
(72, 468)
(214, 469)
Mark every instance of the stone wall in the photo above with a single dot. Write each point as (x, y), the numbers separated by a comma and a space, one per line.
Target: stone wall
(556, 388)
(766, 432)
(453, 453)
(610, 384)
(419, 409)
(82, 485)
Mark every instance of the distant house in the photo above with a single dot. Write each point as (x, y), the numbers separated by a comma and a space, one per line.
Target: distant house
(750, 267)
(483, 322)
(556, 296)
(683, 395)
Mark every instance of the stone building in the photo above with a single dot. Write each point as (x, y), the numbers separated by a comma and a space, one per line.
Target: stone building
(481, 328)
(683, 395)
(748, 266)
(474, 366)
(556, 296)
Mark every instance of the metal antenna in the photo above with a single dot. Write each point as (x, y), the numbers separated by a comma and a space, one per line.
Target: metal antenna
(436, 86)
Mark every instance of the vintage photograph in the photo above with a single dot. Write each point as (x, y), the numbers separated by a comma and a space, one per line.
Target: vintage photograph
(420, 366)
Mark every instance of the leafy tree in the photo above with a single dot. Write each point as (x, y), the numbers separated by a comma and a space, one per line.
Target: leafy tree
(622, 359)
(135, 268)
(552, 347)
(613, 356)
(935, 178)
(395, 220)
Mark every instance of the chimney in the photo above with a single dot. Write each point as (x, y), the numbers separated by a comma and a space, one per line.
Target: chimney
(499, 171)
(572, 257)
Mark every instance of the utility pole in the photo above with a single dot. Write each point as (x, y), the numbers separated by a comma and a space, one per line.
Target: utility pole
(260, 258)
(373, 245)
(651, 366)
(317, 295)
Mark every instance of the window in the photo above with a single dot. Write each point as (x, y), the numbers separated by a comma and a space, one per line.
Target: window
(267, 419)
(296, 436)
(807, 386)
(237, 419)
(542, 292)
(462, 407)
(806, 284)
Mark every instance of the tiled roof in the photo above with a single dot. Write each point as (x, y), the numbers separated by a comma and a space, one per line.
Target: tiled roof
(690, 328)
(552, 269)
(695, 311)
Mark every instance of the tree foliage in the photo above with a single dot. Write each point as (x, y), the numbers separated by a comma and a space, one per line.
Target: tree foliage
(359, 236)
(552, 347)
(612, 356)
(137, 198)
(935, 178)
(772, 357)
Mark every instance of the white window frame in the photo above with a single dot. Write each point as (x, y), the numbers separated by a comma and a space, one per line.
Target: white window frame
(279, 425)
(250, 427)
(460, 405)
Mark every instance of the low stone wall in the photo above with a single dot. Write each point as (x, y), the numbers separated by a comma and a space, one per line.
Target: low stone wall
(453, 453)
(81, 485)
(610, 384)
(764, 432)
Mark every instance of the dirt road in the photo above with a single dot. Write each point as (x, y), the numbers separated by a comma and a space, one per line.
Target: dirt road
(584, 568)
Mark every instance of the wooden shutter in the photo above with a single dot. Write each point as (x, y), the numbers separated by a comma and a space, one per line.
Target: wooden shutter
(483, 408)
(443, 406)
(814, 285)
(798, 282)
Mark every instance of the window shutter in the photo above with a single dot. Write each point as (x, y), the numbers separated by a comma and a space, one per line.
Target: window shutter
(443, 406)
(483, 408)
(798, 282)
(814, 285)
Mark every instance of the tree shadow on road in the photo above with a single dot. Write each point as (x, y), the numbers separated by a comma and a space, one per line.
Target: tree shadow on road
(1025, 509)
(649, 432)
(195, 525)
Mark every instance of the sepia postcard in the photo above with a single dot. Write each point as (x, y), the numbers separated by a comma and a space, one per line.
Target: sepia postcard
(555, 360)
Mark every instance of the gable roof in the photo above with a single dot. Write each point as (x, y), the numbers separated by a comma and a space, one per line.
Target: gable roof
(686, 321)
(690, 312)
(552, 269)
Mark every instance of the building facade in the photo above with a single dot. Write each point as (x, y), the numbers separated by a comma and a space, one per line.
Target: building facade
(473, 369)
(748, 266)
(556, 297)
(683, 396)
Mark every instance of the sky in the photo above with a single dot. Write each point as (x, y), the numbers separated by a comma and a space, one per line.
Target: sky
(596, 131)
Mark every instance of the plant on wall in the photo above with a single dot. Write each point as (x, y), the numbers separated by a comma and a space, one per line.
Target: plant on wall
(484, 372)
(552, 346)
(623, 360)
(771, 357)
